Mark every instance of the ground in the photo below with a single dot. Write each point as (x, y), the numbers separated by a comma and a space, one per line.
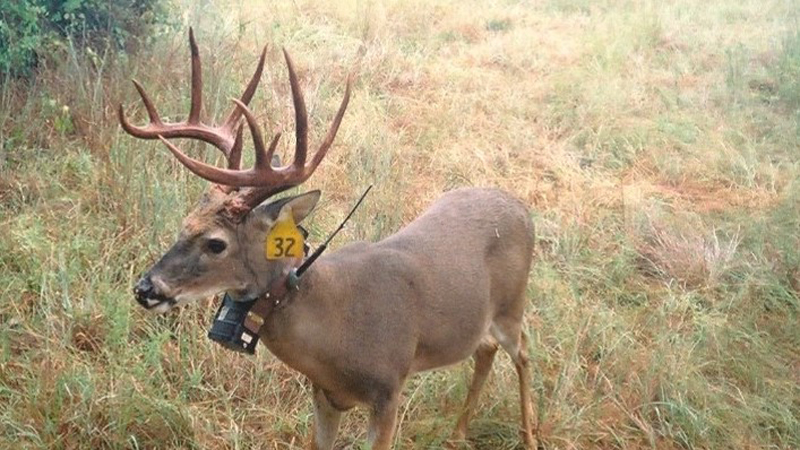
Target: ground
(656, 143)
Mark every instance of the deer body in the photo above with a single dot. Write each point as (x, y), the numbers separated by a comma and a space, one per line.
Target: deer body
(423, 298)
(449, 285)
(367, 316)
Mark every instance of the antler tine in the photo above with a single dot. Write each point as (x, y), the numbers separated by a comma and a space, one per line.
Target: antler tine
(235, 157)
(140, 132)
(224, 137)
(300, 115)
(247, 95)
(197, 82)
(334, 128)
(152, 113)
(263, 157)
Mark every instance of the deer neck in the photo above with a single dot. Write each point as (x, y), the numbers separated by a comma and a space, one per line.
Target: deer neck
(295, 329)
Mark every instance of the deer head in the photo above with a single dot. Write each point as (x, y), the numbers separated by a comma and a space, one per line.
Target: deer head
(220, 246)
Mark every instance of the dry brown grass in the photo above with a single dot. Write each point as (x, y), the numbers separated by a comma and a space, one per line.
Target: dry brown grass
(656, 144)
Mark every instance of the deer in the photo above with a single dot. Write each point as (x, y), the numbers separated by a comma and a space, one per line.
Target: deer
(362, 319)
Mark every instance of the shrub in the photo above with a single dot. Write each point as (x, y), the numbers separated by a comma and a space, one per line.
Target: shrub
(31, 28)
(20, 35)
(97, 23)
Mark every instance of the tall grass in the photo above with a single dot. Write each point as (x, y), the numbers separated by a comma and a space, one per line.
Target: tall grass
(657, 145)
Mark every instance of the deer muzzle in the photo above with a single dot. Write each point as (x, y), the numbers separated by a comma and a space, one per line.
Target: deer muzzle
(148, 296)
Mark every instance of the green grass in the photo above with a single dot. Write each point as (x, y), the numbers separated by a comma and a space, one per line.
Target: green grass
(658, 146)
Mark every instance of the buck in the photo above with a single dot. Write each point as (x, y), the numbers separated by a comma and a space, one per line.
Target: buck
(361, 320)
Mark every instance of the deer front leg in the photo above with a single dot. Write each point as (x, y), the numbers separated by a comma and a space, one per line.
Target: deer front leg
(326, 422)
(382, 422)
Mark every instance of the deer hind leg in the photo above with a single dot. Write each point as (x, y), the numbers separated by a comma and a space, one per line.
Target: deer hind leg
(515, 343)
(326, 422)
(382, 421)
(522, 364)
(484, 356)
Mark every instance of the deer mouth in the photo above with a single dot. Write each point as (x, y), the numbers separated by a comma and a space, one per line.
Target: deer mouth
(157, 302)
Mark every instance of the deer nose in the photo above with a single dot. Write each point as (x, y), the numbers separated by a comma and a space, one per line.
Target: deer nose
(143, 290)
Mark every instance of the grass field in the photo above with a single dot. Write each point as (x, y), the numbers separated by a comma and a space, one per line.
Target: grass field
(657, 144)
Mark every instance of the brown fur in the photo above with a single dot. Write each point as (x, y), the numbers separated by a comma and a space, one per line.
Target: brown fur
(449, 285)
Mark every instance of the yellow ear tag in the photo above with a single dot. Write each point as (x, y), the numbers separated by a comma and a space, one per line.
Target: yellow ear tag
(284, 240)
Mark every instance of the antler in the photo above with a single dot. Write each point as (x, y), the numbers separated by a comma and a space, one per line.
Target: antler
(261, 181)
(226, 137)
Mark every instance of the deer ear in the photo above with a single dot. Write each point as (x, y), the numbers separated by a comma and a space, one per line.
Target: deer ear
(302, 205)
(299, 206)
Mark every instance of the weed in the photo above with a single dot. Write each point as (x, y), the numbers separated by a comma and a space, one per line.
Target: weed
(656, 144)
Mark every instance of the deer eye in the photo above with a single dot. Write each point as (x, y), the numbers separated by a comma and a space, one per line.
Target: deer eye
(216, 246)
